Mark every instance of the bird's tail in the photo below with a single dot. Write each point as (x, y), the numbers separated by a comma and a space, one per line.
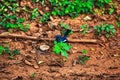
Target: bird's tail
(67, 33)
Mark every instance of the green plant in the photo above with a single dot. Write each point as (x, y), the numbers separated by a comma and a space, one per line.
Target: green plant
(42, 1)
(118, 24)
(33, 75)
(101, 3)
(1, 49)
(84, 51)
(8, 5)
(35, 0)
(45, 18)
(8, 51)
(111, 10)
(105, 29)
(72, 8)
(84, 28)
(8, 15)
(82, 59)
(34, 13)
(12, 21)
(61, 48)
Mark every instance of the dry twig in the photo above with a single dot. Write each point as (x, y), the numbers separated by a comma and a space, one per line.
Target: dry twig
(9, 35)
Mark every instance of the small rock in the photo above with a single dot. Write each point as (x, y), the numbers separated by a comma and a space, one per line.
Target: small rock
(75, 48)
(44, 47)
(116, 55)
(34, 42)
(47, 8)
(33, 51)
(36, 66)
(87, 18)
(74, 51)
(92, 49)
(28, 63)
(40, 62)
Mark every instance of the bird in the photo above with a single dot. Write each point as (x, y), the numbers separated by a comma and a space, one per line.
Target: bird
(59, 38)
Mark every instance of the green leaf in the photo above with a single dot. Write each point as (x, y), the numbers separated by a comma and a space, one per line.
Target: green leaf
(56, 49)
(20, 20)
(103, 28)
(16, 52)
(61, 47)
(7, 50)
(111, 10)
(107, 35)
(86, 58)
(64, 53)
(66, 47)
(84, 51)
(54, 12)
(1, 49)
(118, 24)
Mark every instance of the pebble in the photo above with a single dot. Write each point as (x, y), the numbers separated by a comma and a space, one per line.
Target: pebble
(40, 62)
(44, 47)
(35, 66)
(28, 63)
(33, 51)
(87, 18)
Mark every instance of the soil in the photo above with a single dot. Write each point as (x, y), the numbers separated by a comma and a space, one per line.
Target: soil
(34, 64)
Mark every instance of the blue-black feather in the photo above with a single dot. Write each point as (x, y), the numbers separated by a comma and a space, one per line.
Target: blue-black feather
(59, 38)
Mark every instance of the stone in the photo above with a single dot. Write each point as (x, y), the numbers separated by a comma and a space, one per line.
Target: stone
(28, 63)
(44, 47)
(87, 18)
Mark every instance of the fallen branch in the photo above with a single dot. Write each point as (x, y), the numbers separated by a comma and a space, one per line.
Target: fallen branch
(9, 35)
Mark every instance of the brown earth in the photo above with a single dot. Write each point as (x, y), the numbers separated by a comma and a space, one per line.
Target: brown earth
(104, 62)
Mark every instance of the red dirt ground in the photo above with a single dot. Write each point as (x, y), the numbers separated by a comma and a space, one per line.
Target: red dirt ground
(104, 62)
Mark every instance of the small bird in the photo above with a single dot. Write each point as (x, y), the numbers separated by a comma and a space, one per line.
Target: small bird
(59, 38)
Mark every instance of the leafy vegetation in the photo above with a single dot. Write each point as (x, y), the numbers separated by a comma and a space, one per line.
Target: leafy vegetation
(61, 48)
(72, 8)
(45, 18)
(8, 5)
(84, 51)
(118, 24)
(34, 13)
(8, 17)
(101, 3)
(33, 75)
(83, 57)
(59, 7)
(35, 0)
(105, 29)
(84, 28)
(8, 51)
